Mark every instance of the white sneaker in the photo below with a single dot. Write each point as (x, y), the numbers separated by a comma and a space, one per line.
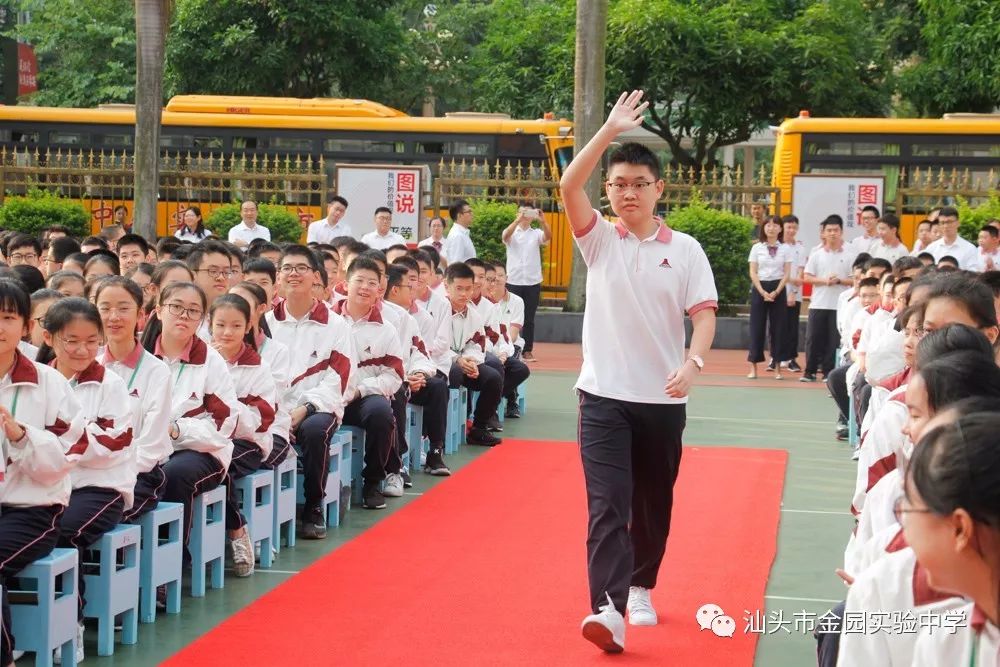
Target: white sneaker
(393, 486)
(16, 655)
(640, 608)
(242, 554)
(57, 654)
(605, 630)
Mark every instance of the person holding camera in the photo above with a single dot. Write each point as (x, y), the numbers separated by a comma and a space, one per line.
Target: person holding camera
(524, 266)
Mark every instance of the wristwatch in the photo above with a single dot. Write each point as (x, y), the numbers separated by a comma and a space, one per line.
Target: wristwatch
(698, 361)
(310, 409)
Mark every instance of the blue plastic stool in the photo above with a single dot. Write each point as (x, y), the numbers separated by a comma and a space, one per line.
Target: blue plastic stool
(114, 590)
(853, 438)
(255, 493)
(286, 486)
(414, 436)
(357, 461)
(49, 623)
(331, 492)
(208, 539)
(161, 558)
(457, 400)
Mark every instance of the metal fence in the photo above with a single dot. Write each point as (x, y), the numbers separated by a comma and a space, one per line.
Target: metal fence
(923, 189)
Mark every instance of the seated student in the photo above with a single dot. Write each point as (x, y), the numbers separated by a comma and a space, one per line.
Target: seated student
(275, 356)
(320, 365)
(950, 516)
(166, 273)
(378, 377)
(148, 383)
(210, 263)
(394, 251)
(423, 386)
(947, 263)
(509, 309)
(491, 326)
(926, 259)
(57, 252)
(322, 290)
(29, 276)
(261, 249)
(103, 473)
(141, 275)
(41, 421)
(132, 251)
(468, 353)
(436, 305)
(232, 337)
(165, 248)
(41, 301)
(76, 262)
(24, 249)
(101, 263)
(836, 380)
(202, 418)
(67, 283)
(236, 259)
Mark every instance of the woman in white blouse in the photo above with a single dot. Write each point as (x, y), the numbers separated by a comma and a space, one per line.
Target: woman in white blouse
(192, 227)
(770, 265)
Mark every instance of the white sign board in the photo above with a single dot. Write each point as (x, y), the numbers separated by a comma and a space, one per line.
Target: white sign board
(367, 187)
(815, 196)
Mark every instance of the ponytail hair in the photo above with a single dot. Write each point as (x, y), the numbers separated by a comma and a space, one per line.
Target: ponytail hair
(60, 314)
(239, 303)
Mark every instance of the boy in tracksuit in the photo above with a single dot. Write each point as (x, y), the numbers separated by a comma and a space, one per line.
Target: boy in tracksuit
(515, 371)
(320, 369)
(379, 375)
(468, 353)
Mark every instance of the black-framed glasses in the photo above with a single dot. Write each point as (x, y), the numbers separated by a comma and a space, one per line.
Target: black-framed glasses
(300, 269)
(215, 274)
(899, 511)
(179, 309)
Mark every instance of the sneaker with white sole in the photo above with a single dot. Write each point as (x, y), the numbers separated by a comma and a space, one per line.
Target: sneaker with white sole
(243, 555)
(57, 654)
(393, 487)
(640, 608)
(605, 629)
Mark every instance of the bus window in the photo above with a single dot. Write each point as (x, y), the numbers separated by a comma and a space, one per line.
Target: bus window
(987, 150)
(67, 138)
(176, 140)
(829, 147)
(564, 156)
(362, 146)
(244, 143)
(291, 144)
(470, 148)
(22, 137)
(118, 140)
(210, 143)
(430, 147)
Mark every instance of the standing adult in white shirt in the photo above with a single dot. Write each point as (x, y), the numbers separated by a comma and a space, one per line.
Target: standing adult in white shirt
(524, 266)
(242, 234)
(634, 383)
(333, 225)
(888, 246)
(770, 265)
(436, 239)
(869, 222)
(383, 236)
(828, 270)
(459, 247)
(793, 289)
(952, 244)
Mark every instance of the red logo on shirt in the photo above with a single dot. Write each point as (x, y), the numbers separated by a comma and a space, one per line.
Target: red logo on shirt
(665, 264)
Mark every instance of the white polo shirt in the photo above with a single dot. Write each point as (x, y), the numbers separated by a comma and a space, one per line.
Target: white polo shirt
(770, 266)
(243, 233)
(963, 251)
(379, 242)
(799, 257)
(458, 247)
(888, 252)
(823, 263)
(321, 231)
(524, 257)
(637, 293)
(434, 243)
(863, 243)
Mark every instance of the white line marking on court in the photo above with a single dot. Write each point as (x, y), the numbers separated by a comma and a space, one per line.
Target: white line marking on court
(758, 421)
(788, 599)
(412, 493)
(268, 570)
(815, 512)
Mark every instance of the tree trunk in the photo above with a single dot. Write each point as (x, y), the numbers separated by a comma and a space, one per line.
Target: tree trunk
(151, 28)
(588, 114)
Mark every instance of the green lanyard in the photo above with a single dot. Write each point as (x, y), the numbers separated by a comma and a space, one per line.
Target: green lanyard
(179, 374)
(974, 654)
(136, 370)
(13, 405)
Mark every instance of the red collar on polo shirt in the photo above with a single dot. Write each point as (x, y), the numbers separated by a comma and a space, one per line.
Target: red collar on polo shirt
(92, 373)
(195, 353)
(663, 233)
(130, 361)
(319, 312)
(23, 371)
(373, 315)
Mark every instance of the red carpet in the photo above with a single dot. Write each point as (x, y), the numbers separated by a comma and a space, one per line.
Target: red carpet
(505, 582)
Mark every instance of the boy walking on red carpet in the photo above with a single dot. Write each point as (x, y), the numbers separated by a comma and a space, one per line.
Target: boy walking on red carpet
(633, 386)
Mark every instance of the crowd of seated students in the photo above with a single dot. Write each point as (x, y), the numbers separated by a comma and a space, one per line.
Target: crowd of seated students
(919, 374)
(133, 373)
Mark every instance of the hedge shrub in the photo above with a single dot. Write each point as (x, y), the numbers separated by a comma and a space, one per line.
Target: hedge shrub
(726, 239)
(971, 220)
(282, 223)
(39, 209)
(489, 219)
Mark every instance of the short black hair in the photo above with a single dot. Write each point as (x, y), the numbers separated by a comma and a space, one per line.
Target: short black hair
(991, 230)
(134, 239)
(923, 222)
(14, 299)
(947, 259)
(95, 240)
(890, 220)
(906, 263)
(948, 211)
(433, 253)
(636, 154)
(62, 247)
(397, 246)
(336, 199)
(376, 255)
(992, 280)
(421, 256)
(80, 258)
(457, 270)
(30, 276)
(475, 263)
(23, 241)
(362, 263)
(394, 276)
(407, 262)
(456, 207)
(57, 279)
(925, 255)
(878, 263)
(861, 261)
(296, 250)
(261, 265)
(105, 257)
(790, 218)
(871, 209)
(199, 250)
(167, 245)
(868, 282)
(383, 209)
(833, 219)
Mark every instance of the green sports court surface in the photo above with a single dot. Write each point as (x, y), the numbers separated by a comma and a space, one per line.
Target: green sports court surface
(725, 410)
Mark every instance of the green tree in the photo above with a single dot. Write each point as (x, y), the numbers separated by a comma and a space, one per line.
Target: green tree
(86, 50)
(299, 48)
(957, 65)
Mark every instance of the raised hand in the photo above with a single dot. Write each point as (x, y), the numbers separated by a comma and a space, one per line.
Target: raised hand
(627, 113)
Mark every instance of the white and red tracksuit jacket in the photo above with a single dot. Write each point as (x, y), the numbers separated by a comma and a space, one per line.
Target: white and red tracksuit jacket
(149, 386)
(203, 401)
(36, 471)
(379, 357)
(275, 355)
(468, 335)
(437, 332)
(321, 362)
(415, 359)
(106, 458)
(497, 339)
(257, 396)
